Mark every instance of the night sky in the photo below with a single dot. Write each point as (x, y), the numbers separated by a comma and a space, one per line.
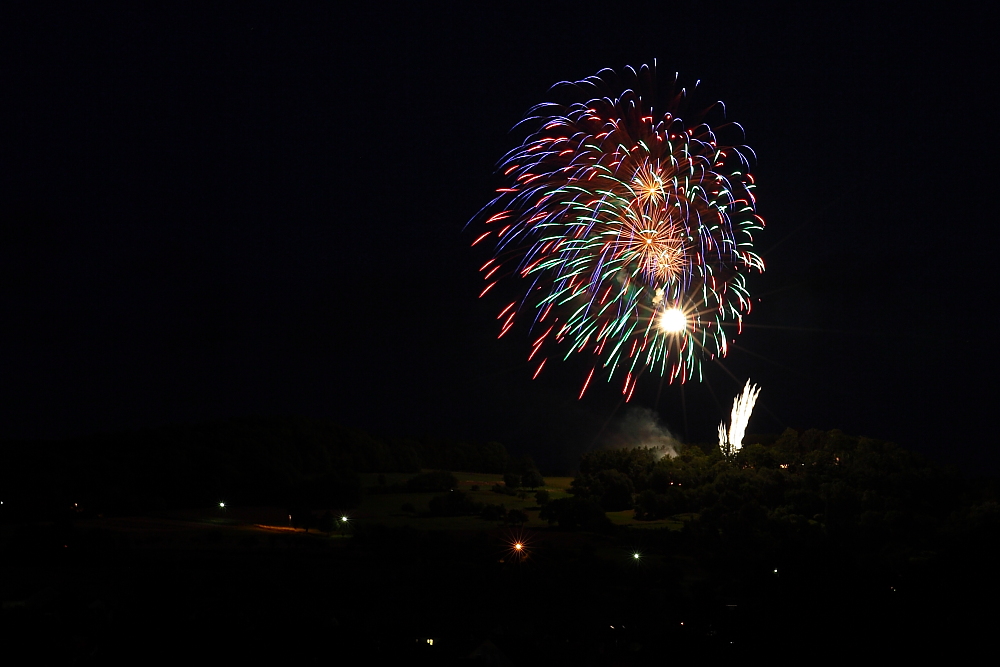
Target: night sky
(249, 211)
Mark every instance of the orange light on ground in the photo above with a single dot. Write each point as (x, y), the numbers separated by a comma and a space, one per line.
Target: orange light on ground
(517, 545)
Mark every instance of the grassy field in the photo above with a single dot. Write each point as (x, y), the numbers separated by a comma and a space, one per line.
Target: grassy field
(626, 518)
(376, 508)
(558, 487)
(387, 508)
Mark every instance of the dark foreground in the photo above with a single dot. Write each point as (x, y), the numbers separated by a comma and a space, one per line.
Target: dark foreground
(100, 591)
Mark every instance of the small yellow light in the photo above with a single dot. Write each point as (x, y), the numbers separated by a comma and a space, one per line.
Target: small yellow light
(518, 546)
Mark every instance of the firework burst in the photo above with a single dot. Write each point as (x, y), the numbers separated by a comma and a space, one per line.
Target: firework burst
(631, 228)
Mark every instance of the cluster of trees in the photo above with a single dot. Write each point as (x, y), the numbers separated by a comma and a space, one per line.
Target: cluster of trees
(576, 513)
(459, 503)
(522, 472)
(295, 462)
(798, 474)
(827, 483)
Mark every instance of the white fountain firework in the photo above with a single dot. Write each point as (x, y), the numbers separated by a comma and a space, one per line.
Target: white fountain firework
(732, 442)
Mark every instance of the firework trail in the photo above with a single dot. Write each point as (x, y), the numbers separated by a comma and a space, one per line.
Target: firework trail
(726, 451)
(630, 227)
(732, 442)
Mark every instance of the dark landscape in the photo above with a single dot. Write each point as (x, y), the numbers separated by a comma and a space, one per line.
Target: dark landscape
(332, 541)
(409, 333)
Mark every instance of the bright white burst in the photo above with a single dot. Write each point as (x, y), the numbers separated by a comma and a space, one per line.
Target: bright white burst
(743, 404)
(673, 320)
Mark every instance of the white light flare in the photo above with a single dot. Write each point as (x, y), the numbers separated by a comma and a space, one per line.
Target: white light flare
(673, 320)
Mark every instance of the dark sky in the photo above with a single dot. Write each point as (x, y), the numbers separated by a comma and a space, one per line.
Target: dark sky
(246, 210)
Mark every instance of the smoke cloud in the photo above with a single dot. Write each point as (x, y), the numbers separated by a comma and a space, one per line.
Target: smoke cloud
(640, 427)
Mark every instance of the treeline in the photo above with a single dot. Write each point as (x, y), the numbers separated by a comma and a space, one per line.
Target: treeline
(808, 475)
(802, 482)
(281, 461)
